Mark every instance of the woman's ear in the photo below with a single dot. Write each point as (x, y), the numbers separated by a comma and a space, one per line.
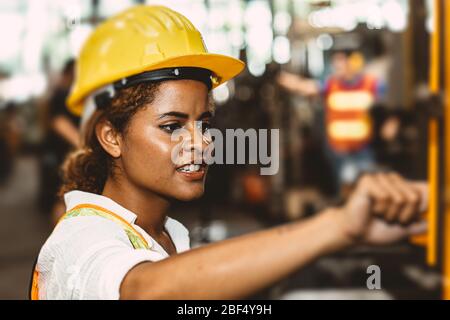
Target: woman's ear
(109, 138)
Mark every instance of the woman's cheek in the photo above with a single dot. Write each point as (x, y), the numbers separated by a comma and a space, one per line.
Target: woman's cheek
(147, 155)
(163, 147)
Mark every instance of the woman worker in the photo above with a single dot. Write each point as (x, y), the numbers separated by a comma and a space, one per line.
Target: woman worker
(142, 75)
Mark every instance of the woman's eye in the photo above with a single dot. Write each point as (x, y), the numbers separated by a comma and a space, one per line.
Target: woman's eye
(171, 127)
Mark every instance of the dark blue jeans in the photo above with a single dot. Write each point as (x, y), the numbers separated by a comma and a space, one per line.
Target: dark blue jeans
(349, 166)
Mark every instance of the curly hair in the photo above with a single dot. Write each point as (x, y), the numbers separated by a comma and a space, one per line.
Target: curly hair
(88, 167)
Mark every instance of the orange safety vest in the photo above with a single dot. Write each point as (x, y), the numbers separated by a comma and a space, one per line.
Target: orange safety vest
(347, 118)
(136, 239)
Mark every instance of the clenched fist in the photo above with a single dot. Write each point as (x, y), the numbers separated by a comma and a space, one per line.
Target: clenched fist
(384, 208)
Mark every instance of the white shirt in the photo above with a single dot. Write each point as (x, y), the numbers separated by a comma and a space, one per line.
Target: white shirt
(87, 257)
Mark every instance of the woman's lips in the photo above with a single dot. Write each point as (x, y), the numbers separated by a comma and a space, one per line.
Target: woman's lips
(193, 175)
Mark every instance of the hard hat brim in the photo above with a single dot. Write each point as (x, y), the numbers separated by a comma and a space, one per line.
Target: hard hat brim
(224, 67)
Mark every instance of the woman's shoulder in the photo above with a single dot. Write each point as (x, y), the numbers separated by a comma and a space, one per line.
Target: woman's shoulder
(76, 235)
(80, 251)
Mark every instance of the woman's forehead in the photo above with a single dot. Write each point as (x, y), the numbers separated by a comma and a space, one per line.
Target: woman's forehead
(184, 96)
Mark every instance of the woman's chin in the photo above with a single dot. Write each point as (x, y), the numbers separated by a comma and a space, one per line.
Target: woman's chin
(191, 194)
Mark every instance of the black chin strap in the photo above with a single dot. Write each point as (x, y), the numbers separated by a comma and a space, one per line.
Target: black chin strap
(103, 100)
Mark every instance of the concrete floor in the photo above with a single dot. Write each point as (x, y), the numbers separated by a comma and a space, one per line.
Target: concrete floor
(23, 229)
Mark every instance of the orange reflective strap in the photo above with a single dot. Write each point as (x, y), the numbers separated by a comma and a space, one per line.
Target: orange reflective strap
(34, 286)
(334, 85)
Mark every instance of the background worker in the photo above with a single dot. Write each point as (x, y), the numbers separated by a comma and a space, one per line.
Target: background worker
(62, 136)
(349, 94)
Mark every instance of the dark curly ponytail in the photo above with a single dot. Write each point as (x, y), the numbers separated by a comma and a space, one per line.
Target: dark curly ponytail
(87, 168)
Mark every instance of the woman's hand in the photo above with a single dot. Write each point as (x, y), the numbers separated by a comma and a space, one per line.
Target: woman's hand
(384, 208)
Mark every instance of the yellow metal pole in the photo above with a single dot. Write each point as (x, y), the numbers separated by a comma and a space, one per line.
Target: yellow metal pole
(433, 147)
(435, 61)
(430, 238)
(446, 221)
(433, 176)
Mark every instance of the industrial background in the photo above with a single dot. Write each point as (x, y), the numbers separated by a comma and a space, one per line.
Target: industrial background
(292, 48)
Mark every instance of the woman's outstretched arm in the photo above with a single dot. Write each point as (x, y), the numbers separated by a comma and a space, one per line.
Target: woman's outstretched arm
(383, 209)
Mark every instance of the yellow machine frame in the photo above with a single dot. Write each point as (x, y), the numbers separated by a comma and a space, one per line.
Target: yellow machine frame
(438, 215)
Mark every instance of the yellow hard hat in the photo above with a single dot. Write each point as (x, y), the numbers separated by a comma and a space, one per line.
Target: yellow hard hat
(140, 40)
(356, 62)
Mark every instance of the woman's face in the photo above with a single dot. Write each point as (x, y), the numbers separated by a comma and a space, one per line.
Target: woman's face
(146, 155)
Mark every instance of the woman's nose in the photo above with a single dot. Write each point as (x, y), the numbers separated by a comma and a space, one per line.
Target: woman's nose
(198, 137)
(196, 143)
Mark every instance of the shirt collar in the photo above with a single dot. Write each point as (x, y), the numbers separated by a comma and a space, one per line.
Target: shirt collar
(178, 232)
(76, 198)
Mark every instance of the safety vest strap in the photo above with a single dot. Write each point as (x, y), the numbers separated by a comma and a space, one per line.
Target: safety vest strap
(84, 210)
(89, 210)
